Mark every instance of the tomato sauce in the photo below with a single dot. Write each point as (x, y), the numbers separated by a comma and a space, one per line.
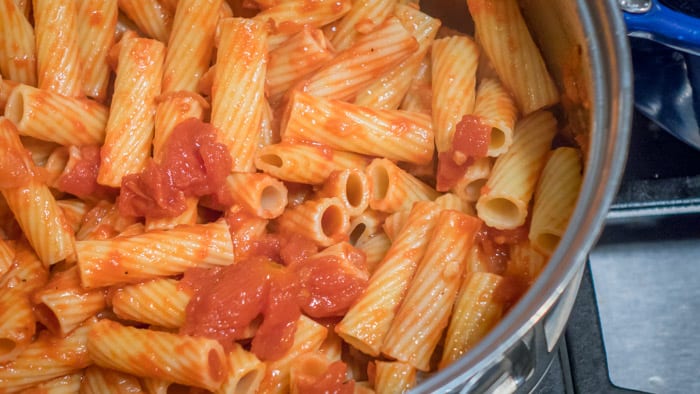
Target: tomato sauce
(496, 245)
(333, 380)
(81, 178)
(192, 164)
(278, 288)
(328, 287)
(471, 140)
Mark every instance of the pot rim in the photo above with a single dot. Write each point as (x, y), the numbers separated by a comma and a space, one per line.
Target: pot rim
(612, 100)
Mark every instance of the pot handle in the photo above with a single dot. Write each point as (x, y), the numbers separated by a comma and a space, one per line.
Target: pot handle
(652, 20)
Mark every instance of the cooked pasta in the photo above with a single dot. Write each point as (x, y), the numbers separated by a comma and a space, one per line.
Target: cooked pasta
(266, 195)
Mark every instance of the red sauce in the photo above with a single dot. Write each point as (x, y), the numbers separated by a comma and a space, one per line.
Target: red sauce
(327, 287)
(449, 172)
(81, 178)
(280, 313)
(227, 300)
(471, 140)
(296, 249)
(496, 245)
(333, 380)
(193, 165)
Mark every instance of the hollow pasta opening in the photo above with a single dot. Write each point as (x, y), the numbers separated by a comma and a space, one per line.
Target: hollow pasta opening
(380, 182)
(47, 317)
(14, 108)
(498, 138)
(273, 160)
(248, 382)
(502, 210)
(270, 198)
(354, 189)
(356, 233)
(547, 242)
(177, 389)
(473, 189)
(332, 220)
(7, 346)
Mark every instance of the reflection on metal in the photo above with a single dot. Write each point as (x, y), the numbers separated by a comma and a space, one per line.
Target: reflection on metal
(635, 6)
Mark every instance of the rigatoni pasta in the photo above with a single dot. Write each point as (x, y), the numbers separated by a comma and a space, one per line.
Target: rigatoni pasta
(97, 19)
(49, 116)
(256, 203)
(454, 85)
(58, 61)
(238, 90)
(424, 312)
(396, 135)
(555, 199)
(18, 54)
(357, 66)
(131, 121)
(513, 53)
(160, 302)
(32, 203)
(504, 200)
(182, 359)
(128, 259)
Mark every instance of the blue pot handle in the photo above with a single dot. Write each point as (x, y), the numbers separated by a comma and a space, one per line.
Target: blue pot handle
(664, 25)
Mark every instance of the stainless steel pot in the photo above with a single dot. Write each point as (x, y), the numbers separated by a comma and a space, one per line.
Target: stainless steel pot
(585, 46)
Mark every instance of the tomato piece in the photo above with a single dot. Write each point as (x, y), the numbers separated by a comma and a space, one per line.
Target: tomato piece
(192, 164)
(471, 140)
(333, 380)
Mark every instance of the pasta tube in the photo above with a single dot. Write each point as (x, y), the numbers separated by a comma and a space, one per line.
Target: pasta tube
(58, 60)
(351, 187)
(476, 311)
(182, 359)
(305, 163)
(150, 16)
(17, 45)
(160, 302)
(131, 121)
(128, 259)
(506, 40)
(33, 205)
(17, 323)
(47, 358)
(97, 20)
(395, 135)
(389, 90)
(239, 88)
(394, 377)
(454, 85)
(49, 116)
(424, 312)
(100, 380)
(323, 220)
(190, 44)
(260, 194)
(496, 108)
(63, 304)
(504, 200)
(555, 199)
(393, 189)
(245, 372)
(356, 67)
(367, 322)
